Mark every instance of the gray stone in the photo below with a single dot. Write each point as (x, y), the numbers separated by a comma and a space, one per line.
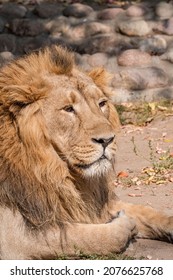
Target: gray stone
(108, 14)
(2, 24)
(136, 11)
(27, 27)
(82, 60)
(164, 10)
(5, 57)
(142, 78)
(76, 33)
(110, 43)
(13, 10)
(8, 43)
(93, 28)
(97, 59)
(77, 10)
(133, 57)
(121, 95)
(46, 10)
(167, 56)
(154, 45)
(29, 44)
(134, 27)
(58, 24)
(165, 27)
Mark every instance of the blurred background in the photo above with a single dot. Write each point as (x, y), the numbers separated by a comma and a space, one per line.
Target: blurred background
(132, 39)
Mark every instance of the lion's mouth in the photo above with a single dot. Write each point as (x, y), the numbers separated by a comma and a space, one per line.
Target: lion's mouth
(85, 166)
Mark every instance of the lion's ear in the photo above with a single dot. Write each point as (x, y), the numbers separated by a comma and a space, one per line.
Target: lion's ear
(100, 76)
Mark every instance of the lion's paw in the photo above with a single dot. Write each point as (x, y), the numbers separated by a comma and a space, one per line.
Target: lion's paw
(126, 223)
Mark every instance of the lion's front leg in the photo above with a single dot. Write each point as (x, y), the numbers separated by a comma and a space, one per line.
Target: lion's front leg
(150, 223)
(94, 238)
(99, 239)
(17, 242)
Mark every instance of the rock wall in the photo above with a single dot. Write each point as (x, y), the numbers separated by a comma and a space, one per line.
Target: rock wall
(134, 42)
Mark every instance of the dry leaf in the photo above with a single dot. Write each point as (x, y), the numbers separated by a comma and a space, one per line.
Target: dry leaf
(168, 140)
(122, 174)
(152, 105)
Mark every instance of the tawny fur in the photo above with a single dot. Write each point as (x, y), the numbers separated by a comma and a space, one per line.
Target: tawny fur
(56, 194)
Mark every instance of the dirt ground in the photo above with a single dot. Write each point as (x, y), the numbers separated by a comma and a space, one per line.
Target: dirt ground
(146, 177)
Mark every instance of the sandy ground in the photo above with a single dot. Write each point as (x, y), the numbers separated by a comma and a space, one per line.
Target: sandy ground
(138, 148)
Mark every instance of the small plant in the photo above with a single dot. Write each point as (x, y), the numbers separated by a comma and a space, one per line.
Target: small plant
(143, 113)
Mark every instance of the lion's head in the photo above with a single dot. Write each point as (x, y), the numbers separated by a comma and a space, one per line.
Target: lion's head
(78, 120)
(56, 123)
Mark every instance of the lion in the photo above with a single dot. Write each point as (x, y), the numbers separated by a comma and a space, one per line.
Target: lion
(58, 131)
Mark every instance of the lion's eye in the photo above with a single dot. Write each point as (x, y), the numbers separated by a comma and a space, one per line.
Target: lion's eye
(102, 103)
(69, 109)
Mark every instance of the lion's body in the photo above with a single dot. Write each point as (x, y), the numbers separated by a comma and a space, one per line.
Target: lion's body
(57, 156)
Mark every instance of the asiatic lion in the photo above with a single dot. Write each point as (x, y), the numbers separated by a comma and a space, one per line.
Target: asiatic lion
(57, 157)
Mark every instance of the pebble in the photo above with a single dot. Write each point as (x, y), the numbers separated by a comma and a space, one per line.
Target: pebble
(8, 43)
(93, 28)
(133, 57)
(97, 59)
(134, 27)
(47, 10)
(168, 56)
(5, 57)
(143, 78)
(108, 14)
(26, 27)
(135, 11)
(154, 45)
(77, 10)
(13, 10)
(164, 10)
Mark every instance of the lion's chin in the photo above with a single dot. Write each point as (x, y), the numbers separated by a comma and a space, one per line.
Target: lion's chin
(97, 169)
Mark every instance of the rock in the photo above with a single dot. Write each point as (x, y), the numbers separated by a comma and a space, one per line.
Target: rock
(27, 27)
(108, 14)
(76, 33)
(111, 66)
(97, 59)
(28, 44)
(164, 10)
(135, 11)
(58, 24)
(109, 43)
(46, 10)
(5, 57)
(82, 60)
(93, 28)
(120, 95)
(142, 78)
(133, 57)
(165, 27)
(169, 28)
(154, 45)
(77, 10)
(13, 10)
(2, 25)
(134, 27)
(167, 56)
(8, 43)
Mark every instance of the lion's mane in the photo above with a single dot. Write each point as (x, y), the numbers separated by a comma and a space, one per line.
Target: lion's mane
(32, 180)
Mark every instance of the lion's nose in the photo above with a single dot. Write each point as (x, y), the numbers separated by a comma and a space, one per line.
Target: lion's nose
(104, 141)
